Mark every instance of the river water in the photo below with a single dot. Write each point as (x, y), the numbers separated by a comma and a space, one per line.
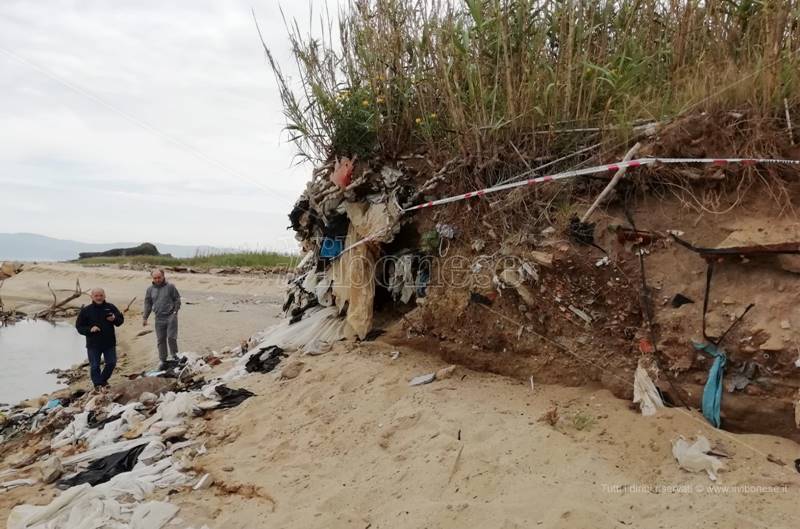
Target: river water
(28, 349)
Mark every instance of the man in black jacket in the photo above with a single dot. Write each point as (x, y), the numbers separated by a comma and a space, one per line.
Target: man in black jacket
(96, 321)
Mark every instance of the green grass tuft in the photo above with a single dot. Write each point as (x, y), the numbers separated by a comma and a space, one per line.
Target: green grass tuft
(222, 260)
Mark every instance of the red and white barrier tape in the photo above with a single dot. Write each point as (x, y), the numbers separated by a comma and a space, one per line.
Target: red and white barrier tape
(599, 169)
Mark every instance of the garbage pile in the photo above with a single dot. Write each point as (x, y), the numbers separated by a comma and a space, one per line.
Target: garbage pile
(345, 225)
(109, 451)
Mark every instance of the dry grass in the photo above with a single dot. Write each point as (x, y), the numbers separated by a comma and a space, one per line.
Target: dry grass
(493, 81)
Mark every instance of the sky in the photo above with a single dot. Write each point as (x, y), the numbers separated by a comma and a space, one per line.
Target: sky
(151, 120)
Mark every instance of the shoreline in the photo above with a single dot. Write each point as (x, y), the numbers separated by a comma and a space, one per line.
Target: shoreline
(217, 312)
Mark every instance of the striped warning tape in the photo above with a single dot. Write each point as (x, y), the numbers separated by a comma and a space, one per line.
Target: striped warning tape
(599, 169)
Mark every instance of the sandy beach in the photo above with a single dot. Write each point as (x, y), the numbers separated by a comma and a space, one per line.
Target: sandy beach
(347, 443)
(218, 311)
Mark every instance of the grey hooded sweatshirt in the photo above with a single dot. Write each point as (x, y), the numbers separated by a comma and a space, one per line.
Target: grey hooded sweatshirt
(162, 300)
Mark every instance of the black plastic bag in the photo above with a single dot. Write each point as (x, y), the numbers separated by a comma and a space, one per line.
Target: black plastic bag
(265, 360)
(230, 398)
(102, 470)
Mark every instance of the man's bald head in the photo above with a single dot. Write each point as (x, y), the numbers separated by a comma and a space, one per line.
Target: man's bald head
(158, 276)
(98, 295)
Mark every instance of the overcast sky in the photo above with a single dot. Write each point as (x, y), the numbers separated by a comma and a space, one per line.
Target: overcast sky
(150, 120)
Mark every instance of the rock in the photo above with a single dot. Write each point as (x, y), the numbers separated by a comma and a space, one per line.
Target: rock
(227, 469)
(513, 279)
(790, 263)
(50, 470)
(174, 433)
(445, 372)
(753, 390)
(541, 258)
(774, 343)
(292, 370)
(785, 324)
(132, 390)
(728, 301)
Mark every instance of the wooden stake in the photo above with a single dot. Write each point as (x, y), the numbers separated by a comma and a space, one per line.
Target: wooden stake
(612, 184)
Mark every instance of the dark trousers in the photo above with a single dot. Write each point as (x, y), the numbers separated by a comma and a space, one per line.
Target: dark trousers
(109, 355)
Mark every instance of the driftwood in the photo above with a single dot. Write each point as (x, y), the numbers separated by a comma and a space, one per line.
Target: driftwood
(129, 306)
(59, 306)
(8, 316)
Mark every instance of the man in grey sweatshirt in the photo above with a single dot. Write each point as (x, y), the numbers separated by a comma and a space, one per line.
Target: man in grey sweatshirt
(163, 300)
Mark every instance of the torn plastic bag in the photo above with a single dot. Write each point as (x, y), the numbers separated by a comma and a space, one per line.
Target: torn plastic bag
(25, 516)
(401, 281)
(712, 392)
(645, 393)
(174, 406)
(151, 453)
(73, 432)
(102, 470)
(265, 359)
(331, 248)
(694, 457)
(230, 398)
(103, 451)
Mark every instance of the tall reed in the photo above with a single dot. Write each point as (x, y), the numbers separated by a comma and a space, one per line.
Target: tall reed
(482, 78)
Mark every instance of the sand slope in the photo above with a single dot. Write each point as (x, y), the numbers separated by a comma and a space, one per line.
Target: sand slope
(349, 444)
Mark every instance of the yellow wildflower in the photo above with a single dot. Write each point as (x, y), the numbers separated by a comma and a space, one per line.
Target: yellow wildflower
(433, 116)
(365, 103)
(418, 120)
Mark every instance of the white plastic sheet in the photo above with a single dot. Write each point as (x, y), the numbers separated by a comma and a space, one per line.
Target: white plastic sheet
(694, 457)
(645, 393)
(73, 431)
(152, 515)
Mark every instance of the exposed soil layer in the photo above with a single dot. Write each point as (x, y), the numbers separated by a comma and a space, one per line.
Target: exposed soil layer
(588, 323)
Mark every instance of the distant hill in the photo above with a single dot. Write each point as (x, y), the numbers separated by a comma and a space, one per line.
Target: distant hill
(33, 247)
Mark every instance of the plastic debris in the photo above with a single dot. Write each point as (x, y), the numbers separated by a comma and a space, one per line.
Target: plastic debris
(230, 398)
(422, 379)
(448, 231)
(581, 314)
(8, 485)
(203, 483)
(712, 392)
(265, 359)
(694, 457)
(645, 393)
(102, 470)
(342, 172)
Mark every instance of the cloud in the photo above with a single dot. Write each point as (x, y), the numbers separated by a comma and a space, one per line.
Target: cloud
(154, 116)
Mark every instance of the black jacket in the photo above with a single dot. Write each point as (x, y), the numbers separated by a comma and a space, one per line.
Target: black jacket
(94, 314)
